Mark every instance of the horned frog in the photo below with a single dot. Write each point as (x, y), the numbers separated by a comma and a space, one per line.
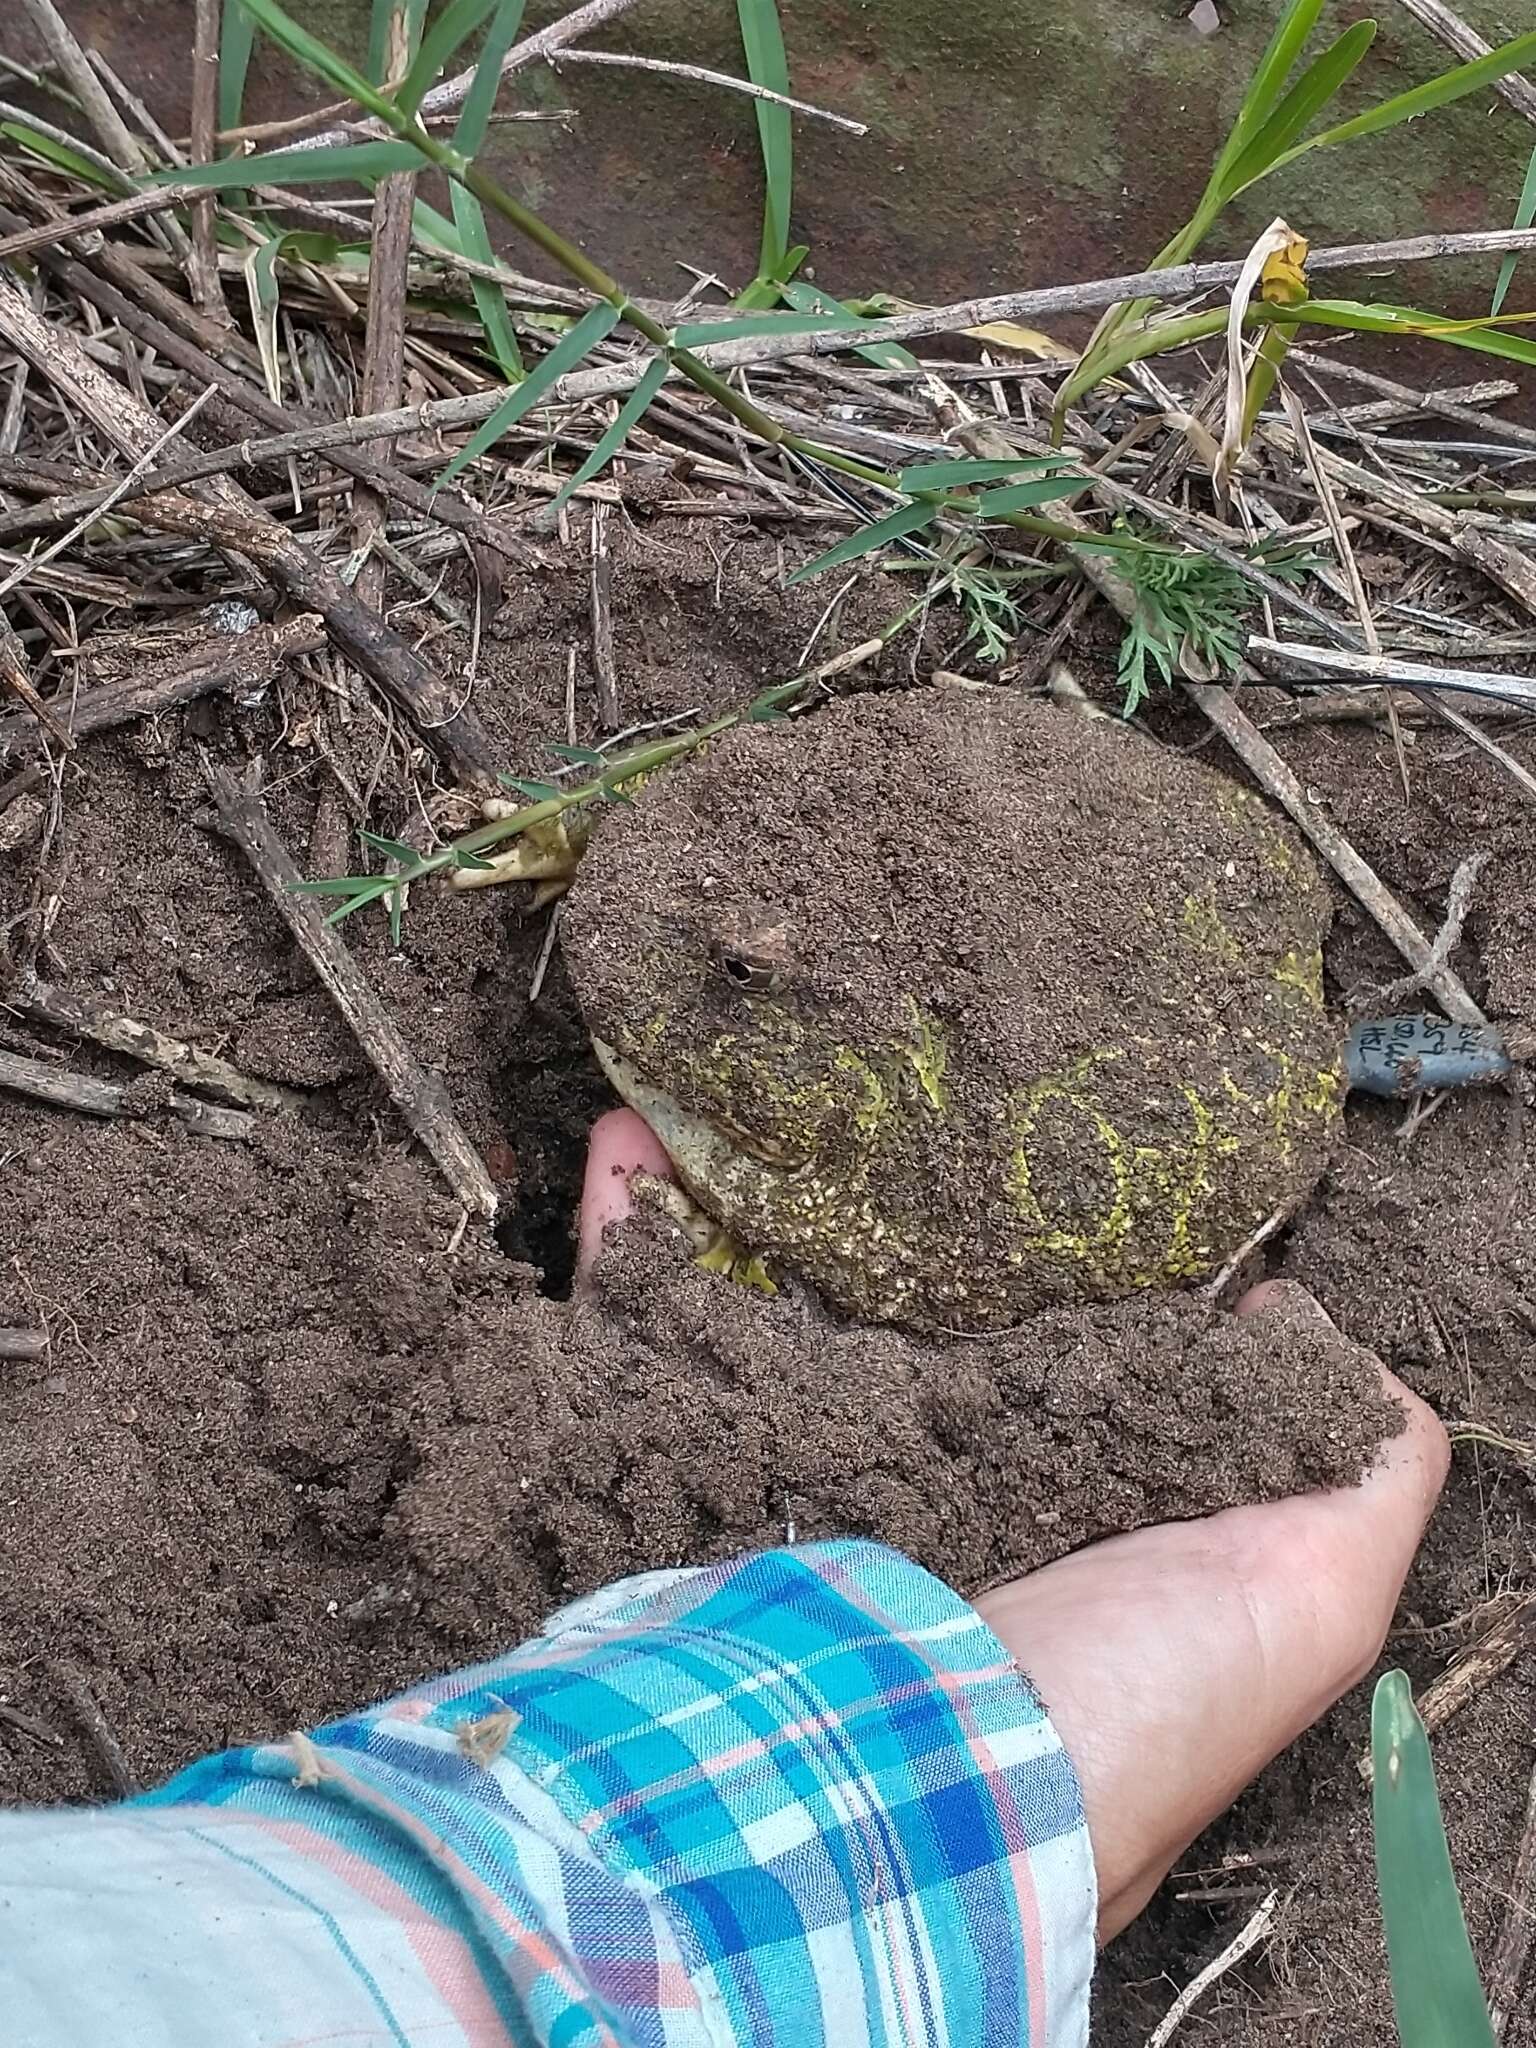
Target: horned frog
(963, 1006)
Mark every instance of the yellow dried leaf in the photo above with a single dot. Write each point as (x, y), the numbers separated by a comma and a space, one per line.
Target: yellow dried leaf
(1283, 280)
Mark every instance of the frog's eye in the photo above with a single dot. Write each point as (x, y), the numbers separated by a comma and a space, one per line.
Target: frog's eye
(754, 973)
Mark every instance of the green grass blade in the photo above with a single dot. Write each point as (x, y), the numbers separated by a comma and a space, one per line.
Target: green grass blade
(1318, 84)
(378, 34)
(1377, 319)
(316, 56)
(1292, 33)
(905, 519)
(1435, 1988)
(476, 115)
(948, 476)
(237, 32)
(490, 300)
(1020, 497)
(1438, 92)
(589, 330)
(357, 162)
(609, 446)
(762, 40)
(701, 333)
(1525, 213)
(63, 158)
(809, 298)
(262, 288)
(456, 24)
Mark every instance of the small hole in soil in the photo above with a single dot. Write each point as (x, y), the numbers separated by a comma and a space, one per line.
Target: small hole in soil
(539, 1232)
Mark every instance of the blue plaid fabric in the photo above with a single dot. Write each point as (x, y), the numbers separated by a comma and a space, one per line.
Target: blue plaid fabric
(799, 1799)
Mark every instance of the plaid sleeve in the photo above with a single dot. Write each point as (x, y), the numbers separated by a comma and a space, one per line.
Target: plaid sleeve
(803, 1800)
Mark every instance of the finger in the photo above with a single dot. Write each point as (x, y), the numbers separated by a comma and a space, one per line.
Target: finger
(1286, 1298)
(621, 1144)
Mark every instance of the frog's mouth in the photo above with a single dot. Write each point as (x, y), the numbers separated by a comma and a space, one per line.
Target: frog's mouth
(710, 1158)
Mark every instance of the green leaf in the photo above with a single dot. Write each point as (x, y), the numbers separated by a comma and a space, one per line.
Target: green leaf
(1318, 84)
(1382, 319)
(456, 24)
(945, 476)
(65, 159)
(1423, 99)
(1435, 1988)
(581, 757)
(589, 330)
(701, 333)
(490, 299)
(237, 32)
(394, 848)
(614, 439)
(470, 861)
(905, 519)
(380, 21)
(1525, 213)
(359, 162)
(262, 289)
(1292, 33)
(1019, 497)
(476, 115)
(316, 56)
(540, 792)
(810, 298)
(396, 911)
(762, 40)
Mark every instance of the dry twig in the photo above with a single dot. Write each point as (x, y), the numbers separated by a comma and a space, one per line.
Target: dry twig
(1475, 1668)
(88, 1017)
(63, 1089)
(417, 1093)
(224, 514)
(242, 665)
(1243, 1943)
(95, 1727)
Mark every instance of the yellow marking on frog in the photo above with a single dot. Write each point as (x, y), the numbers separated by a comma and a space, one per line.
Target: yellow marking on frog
(1304, 973)
(930, 1056)
(726, 1257)
(1204, 927)
(870, 1111)
(1149, 1180)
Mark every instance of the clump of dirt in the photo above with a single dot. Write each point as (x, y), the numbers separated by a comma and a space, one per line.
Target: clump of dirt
(672, 1416)
(300, 1441)
(1001, 1007)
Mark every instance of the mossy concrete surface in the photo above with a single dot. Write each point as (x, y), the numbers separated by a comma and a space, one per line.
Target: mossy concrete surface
(1017, 143)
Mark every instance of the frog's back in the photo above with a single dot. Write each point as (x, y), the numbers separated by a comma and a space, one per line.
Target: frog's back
(1003, 1006)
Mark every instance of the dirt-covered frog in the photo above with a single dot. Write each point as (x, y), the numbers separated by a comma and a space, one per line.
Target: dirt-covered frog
(961, 1005)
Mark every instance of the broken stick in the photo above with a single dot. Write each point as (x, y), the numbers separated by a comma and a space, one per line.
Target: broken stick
(1474, 1668)
(222, 512)
(64, 1089)
(417, 1093)
(88, 1017)
(242, 665)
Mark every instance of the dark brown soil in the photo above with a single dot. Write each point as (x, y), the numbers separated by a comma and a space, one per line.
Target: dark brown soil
(292, 1447)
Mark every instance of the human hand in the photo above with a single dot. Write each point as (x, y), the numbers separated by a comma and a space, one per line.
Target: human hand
(1178, 1660)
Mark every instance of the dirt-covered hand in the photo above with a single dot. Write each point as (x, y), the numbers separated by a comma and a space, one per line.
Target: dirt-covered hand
(1177, 1661)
